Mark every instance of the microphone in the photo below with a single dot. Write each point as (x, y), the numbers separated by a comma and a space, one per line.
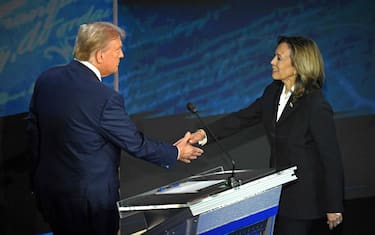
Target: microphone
(231, 180)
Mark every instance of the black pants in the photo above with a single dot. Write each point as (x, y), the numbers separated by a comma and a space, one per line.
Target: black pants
(77, 216)
(289, 226)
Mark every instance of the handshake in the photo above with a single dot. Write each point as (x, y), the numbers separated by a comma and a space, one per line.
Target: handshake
(186, 151)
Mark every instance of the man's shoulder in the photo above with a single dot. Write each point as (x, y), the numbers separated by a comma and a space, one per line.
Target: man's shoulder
(58, 70)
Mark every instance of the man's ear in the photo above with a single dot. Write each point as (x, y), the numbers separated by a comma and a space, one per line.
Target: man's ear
(99, 56)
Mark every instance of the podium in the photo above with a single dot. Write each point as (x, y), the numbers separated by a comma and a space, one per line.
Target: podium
(205, 204)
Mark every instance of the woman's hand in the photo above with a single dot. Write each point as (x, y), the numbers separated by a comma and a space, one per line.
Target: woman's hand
(334, 219)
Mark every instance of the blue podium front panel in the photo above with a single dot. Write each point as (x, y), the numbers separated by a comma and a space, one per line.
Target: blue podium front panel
(205, 204)
(241, 214)
(252, 224)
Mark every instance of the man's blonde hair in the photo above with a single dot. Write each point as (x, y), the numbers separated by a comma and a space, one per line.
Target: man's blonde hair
(94, 36)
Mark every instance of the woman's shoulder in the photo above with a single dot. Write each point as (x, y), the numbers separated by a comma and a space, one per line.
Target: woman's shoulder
(317, 100)
(275, 85)
(315, 95)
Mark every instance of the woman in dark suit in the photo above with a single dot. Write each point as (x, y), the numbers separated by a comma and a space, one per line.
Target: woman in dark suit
(301, 131)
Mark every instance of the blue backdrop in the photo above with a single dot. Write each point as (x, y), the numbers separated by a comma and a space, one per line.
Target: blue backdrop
(213, 53)
(37, 34)
(217, 54)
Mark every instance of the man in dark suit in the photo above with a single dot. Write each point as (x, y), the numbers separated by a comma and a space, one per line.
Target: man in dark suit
(78, 127)
(301, 131)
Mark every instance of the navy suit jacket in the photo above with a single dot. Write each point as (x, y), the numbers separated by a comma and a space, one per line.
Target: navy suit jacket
(304, 136)
(79, 126)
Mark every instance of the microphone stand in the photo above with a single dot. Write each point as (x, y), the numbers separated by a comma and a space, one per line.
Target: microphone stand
(231, 180)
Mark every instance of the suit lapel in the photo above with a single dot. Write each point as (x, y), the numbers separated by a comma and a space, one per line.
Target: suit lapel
(289, 108)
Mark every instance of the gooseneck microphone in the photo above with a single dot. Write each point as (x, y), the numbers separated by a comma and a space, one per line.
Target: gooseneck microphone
(231, 181)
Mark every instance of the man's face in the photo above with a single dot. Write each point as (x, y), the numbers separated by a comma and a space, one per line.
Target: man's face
(111, 56)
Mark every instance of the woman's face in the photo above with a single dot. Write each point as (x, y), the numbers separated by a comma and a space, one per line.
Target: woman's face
(282, 68)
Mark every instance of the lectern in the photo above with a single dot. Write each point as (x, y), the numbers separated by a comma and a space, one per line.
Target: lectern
(206, 204)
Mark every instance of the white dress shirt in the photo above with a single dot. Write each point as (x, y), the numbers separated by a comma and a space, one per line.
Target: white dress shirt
(284, 97)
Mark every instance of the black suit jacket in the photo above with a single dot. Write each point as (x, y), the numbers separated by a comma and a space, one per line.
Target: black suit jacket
(304, 136)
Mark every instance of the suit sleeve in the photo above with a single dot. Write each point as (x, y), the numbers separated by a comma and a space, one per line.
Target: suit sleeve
(236, 121)
(324, 132)
(118, 128)
(246, 117)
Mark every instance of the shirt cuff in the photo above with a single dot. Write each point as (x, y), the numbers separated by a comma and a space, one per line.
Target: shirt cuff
(178, 152)
(204, 141)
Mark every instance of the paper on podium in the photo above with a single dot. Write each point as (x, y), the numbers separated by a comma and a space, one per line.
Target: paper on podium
(187, 187)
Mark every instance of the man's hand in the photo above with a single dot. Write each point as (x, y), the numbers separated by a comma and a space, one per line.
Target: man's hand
(187, 152)
(334, 219)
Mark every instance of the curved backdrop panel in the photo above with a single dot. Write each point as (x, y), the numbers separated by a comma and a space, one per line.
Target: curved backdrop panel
(35, 35)
(217, 54)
